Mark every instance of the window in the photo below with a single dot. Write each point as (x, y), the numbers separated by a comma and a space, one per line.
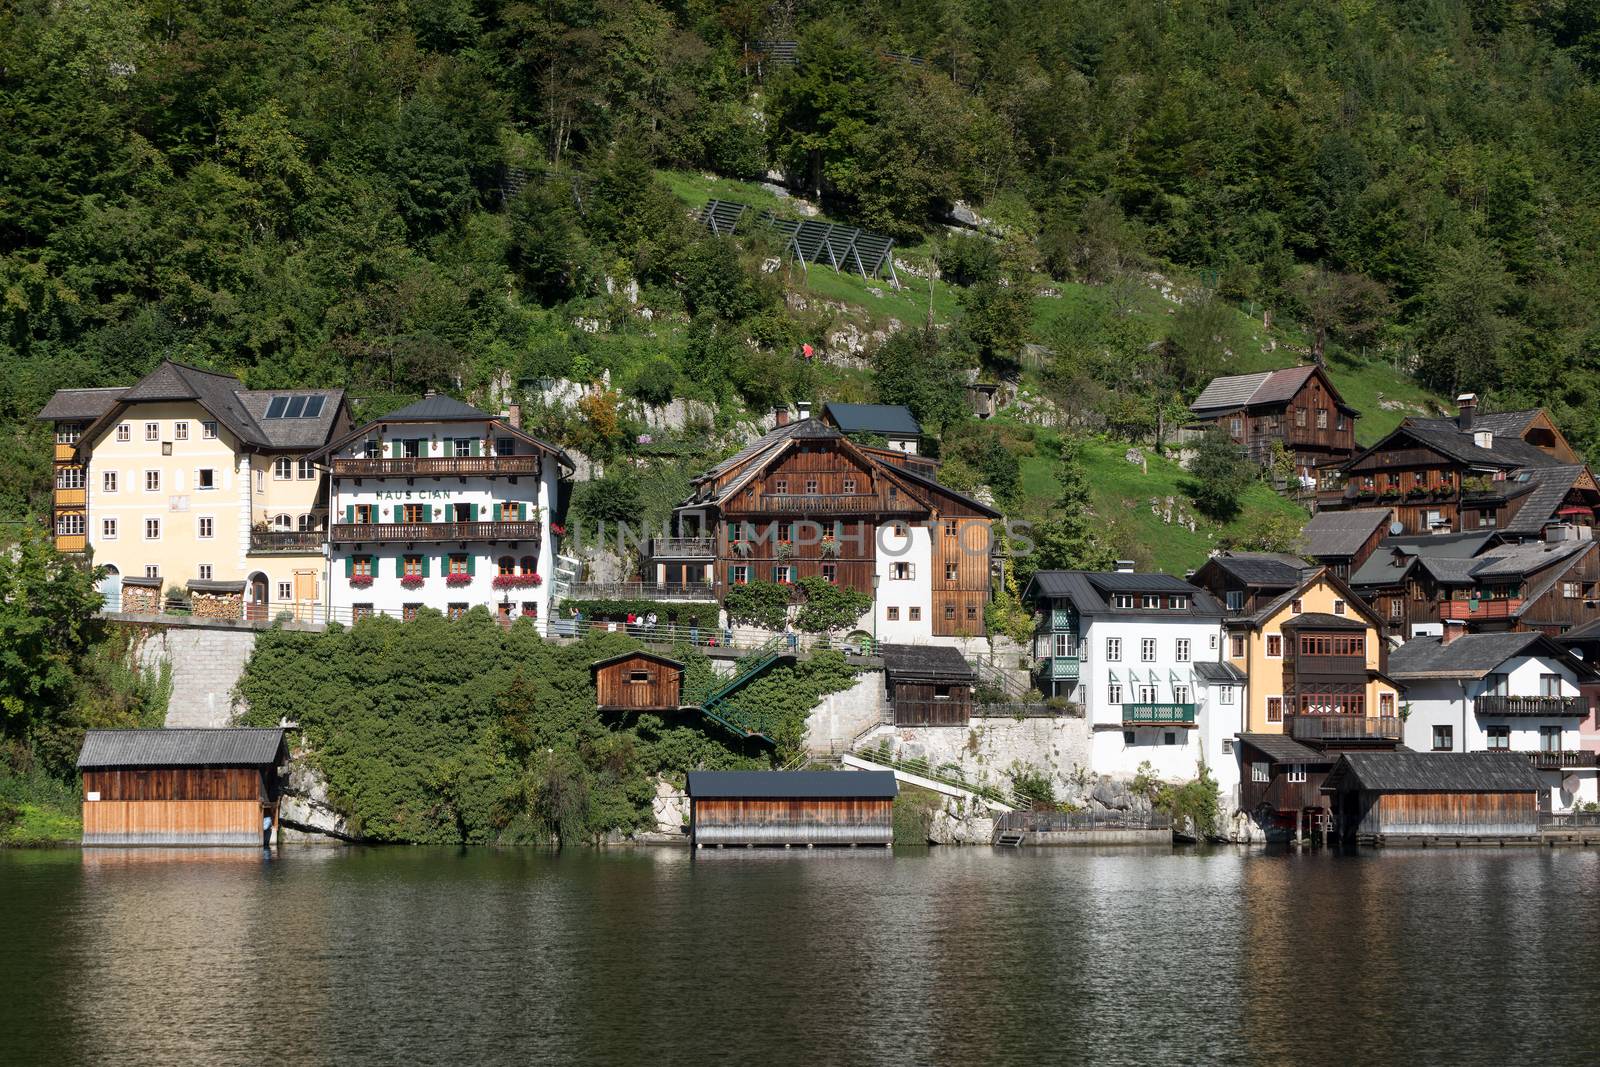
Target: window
(1114, 693)
(124, 432)
(67, 433)
(1294, 607)
(1333, 644)
(1496, 685)
(1296, 773)
(811, 485)
(1322, 418)
(282, 468)
(408, 612)
(1183, 655)
(1236, 427)
(283, 523)
(1549, 739)
(69, 477)
(261, 481)
(900, 529)
(1274, 645)
(455, 611)
(152, 571)
(1178, 603)
(1570, 590)
(108, 529)
(1235, 599)
(972, 613)
(950, 572)
(205, 572)
(1180, 694)
(1224, 694)
(1169, 737)
(411, 448)
(306, 523)
(1151, 600)
(152, 481)
(1127, 737)
(1114, 649)
(1499, 738)
(1549, 685)
(361, 611)
(849, 485)
(411, 513)
(949, 613)
(1299, 416)
(461, 447)
(305, 470)
(152, 431)
(180, 431)
(458, 563)
(638, 677)
(902, 571)
(952, 527)
(505, 446)
(1274, 709)
(786, 573)
(1148, 694)
(1260, 772)
(362, 567)
(780, 486)
(892, 614)
(411, 567)
(152, 529)
(530, 609)
(206, 526)
(205, 478)
(830, 572)
(208, 430)
(1122, 600)
(70, 524)
(1386, 705)
(1444, 738)
(529, 565)
(1236, 646)
(914, 614)
(1147, 649)
(1338, 607)
(739, 575)
(1396, 608)
(506, 565)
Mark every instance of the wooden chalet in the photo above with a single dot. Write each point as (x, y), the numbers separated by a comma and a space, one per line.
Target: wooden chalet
(1343, 540)
(928, 685)
(1511, 472)
(1298, 408)
(1545, 586)
(181, 787)
(1280, 782)
(791, 808)
(638, 681)
(805, 501)
(1246, 582)
(1408, 578)
(1381, 795)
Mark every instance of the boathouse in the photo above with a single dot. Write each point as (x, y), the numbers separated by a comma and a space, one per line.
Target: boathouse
(637, 681)
(791, 808)
(1381, 795)
(180, 787)
(929, 685)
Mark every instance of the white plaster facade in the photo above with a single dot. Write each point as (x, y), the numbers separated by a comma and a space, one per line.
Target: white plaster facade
(904, 601)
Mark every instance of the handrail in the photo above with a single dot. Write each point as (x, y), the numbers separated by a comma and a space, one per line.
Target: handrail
(1495, 704)
(921, 769)
(435, 465)
(436, 531)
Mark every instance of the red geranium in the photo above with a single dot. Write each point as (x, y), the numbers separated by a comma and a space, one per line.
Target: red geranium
(360, 581)
(456, 581)
(411, 581)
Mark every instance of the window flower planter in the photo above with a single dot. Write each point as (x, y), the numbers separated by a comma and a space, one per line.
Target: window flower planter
(518, 581)
(361, 581)
(411, 581)
(784, 550)
(456, 581)
(557, 528)
(830, 547)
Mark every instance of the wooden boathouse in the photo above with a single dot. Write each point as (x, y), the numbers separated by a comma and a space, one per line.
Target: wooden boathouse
(791, 808)
(638, 681)
(181, 787)
(1415, 797)
(929, 685)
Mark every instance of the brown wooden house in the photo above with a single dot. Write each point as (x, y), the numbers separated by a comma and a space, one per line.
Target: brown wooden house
(805, 501)
(1280, 782)
(928, 685)
(1343, 540)
(1407, 578)
(1380, 795)
(1246, 582)
(638, 681)
(181, 787)
(1298, 408)
(1511, 472)
(791, 808)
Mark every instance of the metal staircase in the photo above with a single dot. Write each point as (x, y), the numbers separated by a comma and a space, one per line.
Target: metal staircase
(716, 702)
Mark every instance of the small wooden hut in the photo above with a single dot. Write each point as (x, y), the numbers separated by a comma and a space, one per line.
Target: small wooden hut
(1380, 795)
(791, 808)
(929, 685)
(637, 681)
(181, 787)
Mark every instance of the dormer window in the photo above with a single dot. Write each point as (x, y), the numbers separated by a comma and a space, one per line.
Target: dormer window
(1483, 438)
(1178, 603)
(1122, 600)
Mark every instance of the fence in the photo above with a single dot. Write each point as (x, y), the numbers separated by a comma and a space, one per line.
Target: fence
(1572, 820)
(1045, 822)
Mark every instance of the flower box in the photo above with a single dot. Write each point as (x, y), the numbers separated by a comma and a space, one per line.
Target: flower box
(830, 546)
(557, 528)
(411, 581)
(518, 581)
(456, 581)
(784, 550)
(361, 581)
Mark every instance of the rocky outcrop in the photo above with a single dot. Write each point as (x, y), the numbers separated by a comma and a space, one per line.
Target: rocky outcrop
(671, 807)
(305, 811)
(961, 823)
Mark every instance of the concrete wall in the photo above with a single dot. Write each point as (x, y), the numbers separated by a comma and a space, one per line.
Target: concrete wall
(207, 659)
(842, 716)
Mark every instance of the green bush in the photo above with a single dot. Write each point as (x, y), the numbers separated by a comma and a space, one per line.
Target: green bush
(668, 612)
(758, 603)
(829, 607)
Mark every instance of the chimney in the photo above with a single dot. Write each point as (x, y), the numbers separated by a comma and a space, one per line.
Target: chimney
(804, 408)
(1453, 628)
(1125, 566)
(782, 416)
(1467, 406)
(514, 416)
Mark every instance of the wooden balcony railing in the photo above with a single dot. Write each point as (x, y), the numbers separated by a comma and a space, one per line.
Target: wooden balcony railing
(815, 503)
(296, 541)
(1555, 761)
(435, 466)
(67, 498)
(71, 542)
(64, 452)
(683, 548)
(1481, 609)
(1343, 727)
(1509, 705)
(435, 531)
(1158, 714)
(642, 591)
(1336, 666)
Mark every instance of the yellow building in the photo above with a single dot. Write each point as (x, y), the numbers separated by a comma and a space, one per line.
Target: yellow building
(189, 482)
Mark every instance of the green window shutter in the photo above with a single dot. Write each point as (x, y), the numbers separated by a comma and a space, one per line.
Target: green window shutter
(349, 566)
(522, 512)
(476, 447)
(497, 510)
(394, 449)
(472, 563)
(472, 513)
(427, 513)
(423, 560)
(399, 566)
(349, 513)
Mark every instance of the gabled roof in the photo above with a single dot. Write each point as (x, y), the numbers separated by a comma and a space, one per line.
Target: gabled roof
(1448, 570)
(841, 785)
(891, 420)
(1519, 561)
(293, 433)
(1270, 570)
(1472, 656)
(1337, 534)
(1550, 489)
(904, 662)
(1236, 391)
(638, 653)
(1507, 450)
(438, 408)
(1229, 391)
(1091, 592)
(81, 403)
(1434, 772)
(1353, 603)
(1280, 748)
(236, 747)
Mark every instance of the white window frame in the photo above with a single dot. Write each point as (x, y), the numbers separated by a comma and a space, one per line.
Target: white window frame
(1260, 773)
(1296, 774)
(205, 572)
(208, 430)
(180, 432)
(1149, 694)
(1182, 654)
(1180, 694)
(1122, 600)
(1178, 603)
(124, 432)
(67, 520)
(1148, 650)
(147, 528)
(1152, 600)
(1113, 650)
(108, 529)
(1225, 694)
(108, 481)
(283, 469)
(1114, 693)
(285, 590)
(148, 474)
(305, 470)
(205, 527)
(152, 431)
(152, 571)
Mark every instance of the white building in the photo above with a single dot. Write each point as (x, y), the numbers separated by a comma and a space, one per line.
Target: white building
(444, 506)
(1142, 654)
(1491, 692)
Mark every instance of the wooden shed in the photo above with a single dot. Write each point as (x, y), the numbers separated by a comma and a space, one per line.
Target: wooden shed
(181, 787)
(1379, 795)
(791, 808)
(929, 685)
(638, 681)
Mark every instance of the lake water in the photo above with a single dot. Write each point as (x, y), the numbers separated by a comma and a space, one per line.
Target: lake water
(943, 956)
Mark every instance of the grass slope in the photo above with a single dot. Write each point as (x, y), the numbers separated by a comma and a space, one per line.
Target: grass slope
(37, 810)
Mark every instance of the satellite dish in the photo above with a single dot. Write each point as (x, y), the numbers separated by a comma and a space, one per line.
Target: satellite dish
(1396, 528)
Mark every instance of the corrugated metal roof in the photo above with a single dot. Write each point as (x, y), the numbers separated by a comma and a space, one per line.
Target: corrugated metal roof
(1218, 672)
(437, 408)
(1269, 569)
(793, 784)
(926, 661)
(1434, 772)
(888, 419)
(1342, 533)
(230, 747)
(1230, 391)
(81, 403)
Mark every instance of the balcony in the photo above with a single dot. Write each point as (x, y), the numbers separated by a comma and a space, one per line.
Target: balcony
(294, 542)
(1334, 666)
(436, 467)
(827, 503)
(683, 548)
(1509, 705)
(69, 498)
(1343, 727)
(1557, 761)
(71, 542)
(1481, 609)
(1064, 668)
(378, 532)
(1063, 619)
(65, 452)
(1158, 714)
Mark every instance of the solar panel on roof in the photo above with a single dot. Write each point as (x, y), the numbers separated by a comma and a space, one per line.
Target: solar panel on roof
(313, 406)
(297, 407)
(294, 407)
(275, 409)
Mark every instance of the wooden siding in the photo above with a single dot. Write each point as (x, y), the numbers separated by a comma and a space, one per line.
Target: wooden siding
(177, 783)
(967, 594)
(1281, 795)
(615, 688)
(807, 821)
(1554, 612)
(173, 822)
(1441, 813)
(920, 704)
(853, 562)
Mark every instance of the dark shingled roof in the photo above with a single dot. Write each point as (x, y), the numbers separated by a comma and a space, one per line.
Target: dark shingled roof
(1089, 592)
(1434, 772)
(793, 784)
(293, 433)
(903, 662)
(208, 585)
(437, 408)
(1218, 672)
(1468, 656)
(1282, 749)
(1516, 561)
(1550, 489)
(1321, 620)
(238, 747)
(1235, 391)
(81, 403)
(637, 653)
(1342, 533)
(1447, 556)
(891, 420)
(1270, 569)
(1507, 449)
